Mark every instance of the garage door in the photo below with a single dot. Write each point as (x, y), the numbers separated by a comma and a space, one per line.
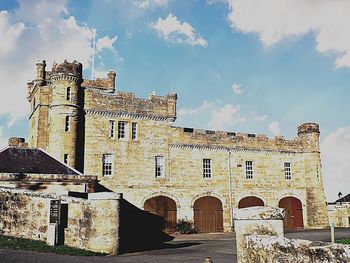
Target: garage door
(208, 215)
(165, 207)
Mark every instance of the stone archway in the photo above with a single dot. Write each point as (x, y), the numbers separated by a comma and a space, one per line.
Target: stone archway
(293, 212)
(165, 207)
(250, 201)
(208, 214)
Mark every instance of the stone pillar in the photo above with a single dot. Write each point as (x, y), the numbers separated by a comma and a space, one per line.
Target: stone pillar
(256, 220)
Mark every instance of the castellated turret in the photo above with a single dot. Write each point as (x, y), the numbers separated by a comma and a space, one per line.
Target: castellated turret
(310, 133)
(66, 113)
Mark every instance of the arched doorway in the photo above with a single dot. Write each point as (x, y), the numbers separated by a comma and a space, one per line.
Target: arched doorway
(293, 212)
(250, 201)
(208, 215)
(165, 207)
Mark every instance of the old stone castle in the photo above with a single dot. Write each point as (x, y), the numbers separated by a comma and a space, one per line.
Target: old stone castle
(200, 175)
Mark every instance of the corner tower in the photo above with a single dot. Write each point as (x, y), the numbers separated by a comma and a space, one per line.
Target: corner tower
(309, 134)
(66, 118)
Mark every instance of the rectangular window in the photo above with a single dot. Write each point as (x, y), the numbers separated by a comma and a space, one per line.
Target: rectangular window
(160, 167)
(67, 124)
(65, 158)
(111, 129)
(287, 171)
(122, 129)
(107, 165)
(249, 170)
(134, 131)
(206, 168)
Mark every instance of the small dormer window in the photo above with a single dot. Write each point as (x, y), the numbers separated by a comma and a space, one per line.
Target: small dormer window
(68, 94)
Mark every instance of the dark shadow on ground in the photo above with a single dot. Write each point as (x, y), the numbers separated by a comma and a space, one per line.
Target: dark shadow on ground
(140, 230)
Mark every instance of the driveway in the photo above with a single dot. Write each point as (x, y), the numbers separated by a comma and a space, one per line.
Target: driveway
(184, 248)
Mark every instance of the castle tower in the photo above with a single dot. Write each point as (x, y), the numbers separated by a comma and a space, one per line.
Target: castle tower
(309, 133)
(39, 99)
(66, 120)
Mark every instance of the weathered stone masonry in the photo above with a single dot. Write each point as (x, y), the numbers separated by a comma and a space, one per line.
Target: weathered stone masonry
(148, 134)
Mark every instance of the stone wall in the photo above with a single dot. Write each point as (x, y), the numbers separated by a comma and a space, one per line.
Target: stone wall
(272, 249)
(86, 223)
(260, 238)
(339, 214)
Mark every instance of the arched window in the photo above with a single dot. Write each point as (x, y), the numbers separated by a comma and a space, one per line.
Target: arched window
(68, 94)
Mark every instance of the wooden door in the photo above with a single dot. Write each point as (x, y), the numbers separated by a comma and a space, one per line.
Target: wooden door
(250, 201)
(165, 207)
(208, 215)
(293, 212)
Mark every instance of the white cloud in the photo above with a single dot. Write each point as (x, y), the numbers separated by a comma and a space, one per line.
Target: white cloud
(256, 117)
(145, 4)
(8, 32)
(237, 89)
(274, 20)
(3, 141)
(38, 30)
(105, 43)
(192, 111)
(274, 128)
(172, 30)
(225, 117)
(336, 162)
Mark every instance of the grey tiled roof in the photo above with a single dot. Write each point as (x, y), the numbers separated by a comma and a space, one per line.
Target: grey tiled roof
(31, 160)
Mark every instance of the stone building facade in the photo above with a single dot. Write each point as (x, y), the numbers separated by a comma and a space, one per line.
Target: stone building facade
(200, 175)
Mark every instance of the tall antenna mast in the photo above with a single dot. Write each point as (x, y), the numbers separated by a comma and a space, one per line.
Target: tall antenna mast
(93, 56)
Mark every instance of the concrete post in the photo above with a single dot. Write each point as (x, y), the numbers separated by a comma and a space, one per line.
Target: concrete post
(256, 221)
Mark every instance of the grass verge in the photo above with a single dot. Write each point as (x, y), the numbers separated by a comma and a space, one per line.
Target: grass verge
(344, 241)
(41, 246)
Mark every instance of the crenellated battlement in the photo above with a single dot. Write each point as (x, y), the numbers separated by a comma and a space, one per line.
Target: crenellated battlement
(163, 107)
(103, 84)
(203, 137)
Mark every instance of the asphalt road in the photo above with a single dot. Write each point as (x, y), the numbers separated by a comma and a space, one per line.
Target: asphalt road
(192, 248)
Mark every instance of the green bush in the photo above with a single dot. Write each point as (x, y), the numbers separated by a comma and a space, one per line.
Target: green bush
(183, 226)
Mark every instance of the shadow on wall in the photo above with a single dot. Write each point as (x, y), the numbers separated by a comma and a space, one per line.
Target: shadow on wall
(140, 230)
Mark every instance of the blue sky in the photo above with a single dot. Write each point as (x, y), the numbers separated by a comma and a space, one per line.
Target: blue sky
(240, 65)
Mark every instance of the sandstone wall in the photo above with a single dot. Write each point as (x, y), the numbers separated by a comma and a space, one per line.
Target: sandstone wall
(271, 249)
(89, 224)
(339, 215)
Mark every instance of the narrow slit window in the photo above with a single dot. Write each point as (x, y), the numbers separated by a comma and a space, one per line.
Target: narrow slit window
(67, 124)
(68, 94)
(111, 129)
(159, 167)
(65, 158)
(134, 131)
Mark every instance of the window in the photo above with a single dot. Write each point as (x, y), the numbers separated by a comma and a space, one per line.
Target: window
(65, 158)
(67, 124)
(160, 167)
(287, 171)
(249, 170)
(68, 94)
(111, 129)
(122, 129)
(206, 168)
(134, 131)
(107, 165)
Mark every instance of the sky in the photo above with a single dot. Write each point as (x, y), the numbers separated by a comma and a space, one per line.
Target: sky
(237, 65)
